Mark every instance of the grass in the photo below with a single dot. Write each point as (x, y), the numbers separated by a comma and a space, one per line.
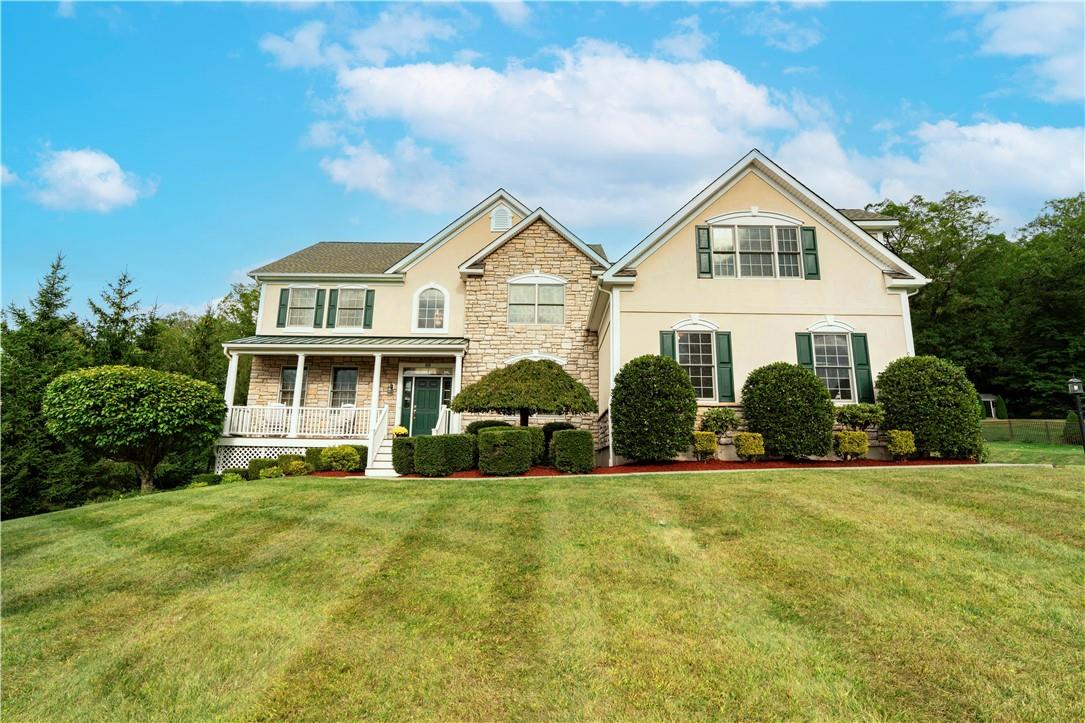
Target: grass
(1033, 453)
(873, 594)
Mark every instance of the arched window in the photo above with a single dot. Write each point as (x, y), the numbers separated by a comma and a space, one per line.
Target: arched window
(431, 309)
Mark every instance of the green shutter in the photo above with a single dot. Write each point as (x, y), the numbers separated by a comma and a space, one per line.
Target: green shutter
(810, 253)
(318, 311)
(725, 373)
(367, 323)
(704, 253)
(284, 304)
(333, 302)
(804, 346)
(666, 344)
(864, 380)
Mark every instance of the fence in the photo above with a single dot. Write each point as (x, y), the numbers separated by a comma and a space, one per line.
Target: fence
(1040, 431)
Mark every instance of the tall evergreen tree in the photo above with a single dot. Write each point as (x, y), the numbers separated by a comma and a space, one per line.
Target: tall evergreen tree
(39, 343)
(117, 324)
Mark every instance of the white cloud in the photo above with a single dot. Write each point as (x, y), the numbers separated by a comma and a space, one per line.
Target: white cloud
(66, 9)
(800, 70)
(1052, 34)
(86, 180)
(687, 42)
(771, 23)
(323, 134)
(604, 127)
(303, 49)
(514, 13)
(1015, 167)
(396, 32)
(7, 176)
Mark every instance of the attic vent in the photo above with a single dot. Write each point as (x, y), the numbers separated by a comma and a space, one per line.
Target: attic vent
(501, 219)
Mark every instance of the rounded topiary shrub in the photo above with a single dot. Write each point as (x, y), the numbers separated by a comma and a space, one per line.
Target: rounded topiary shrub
(343, 458)
(652, 409)
(749, 445)
(479, 424)
(900, 443)
(791, 409)
(442, 455)
(403, 455)
(548, 434)
(705, 445)
(504, 451)
(573, 450)
(933, 399)
(850, 444)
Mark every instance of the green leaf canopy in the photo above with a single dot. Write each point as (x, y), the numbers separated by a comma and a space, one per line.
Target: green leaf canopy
(525, 388)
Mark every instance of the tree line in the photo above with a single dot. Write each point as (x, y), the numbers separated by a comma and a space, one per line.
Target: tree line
(1010, 311)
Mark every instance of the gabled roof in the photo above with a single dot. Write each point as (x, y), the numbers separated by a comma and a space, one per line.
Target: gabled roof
(449, 231)
(343, 257)
(861, 214)
(833, 218)
(594, 252)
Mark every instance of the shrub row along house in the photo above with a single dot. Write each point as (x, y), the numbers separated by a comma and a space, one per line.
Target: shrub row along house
(355, 338)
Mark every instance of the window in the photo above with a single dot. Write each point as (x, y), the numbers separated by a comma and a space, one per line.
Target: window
(351, 308)
(344, 386)
(755, 250)
(431, 309)
(287, 377)
(695, 356)
(787, 253)
(536, 303)
(723, 251)
(302, 307)
(832, 363)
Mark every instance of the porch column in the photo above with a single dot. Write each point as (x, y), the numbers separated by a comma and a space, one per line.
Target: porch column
(457, 378)
(295, 405)
(374, 395)
(231, 386)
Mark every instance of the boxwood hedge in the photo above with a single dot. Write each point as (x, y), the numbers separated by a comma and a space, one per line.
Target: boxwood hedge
(441, 455)
(573, 450)
(790, 407)
(403, 455)
(653, 408)
(504, 450)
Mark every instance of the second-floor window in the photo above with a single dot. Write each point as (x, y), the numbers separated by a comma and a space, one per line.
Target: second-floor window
(302, 307)
(430, 310)
(536, 303)
(750, 252)
(351, 308)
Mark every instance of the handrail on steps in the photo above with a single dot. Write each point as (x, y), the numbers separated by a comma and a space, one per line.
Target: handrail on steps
(377, 432)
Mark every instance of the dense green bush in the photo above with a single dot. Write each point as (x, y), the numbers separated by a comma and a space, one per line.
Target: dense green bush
(295, 468)
(231, 478)
(857, 417)
(933, 399)
(652, 409)
(133, 414)
(363, 457)
(1071, 431)
(573, 450)
(900, 444)
(719, 421)
(505, 451)
(284, 459)
(851, 444)
(256, 465)
(1001, 412)
(548, 433)
(480, 424)
(538, 444)
(343, 458)
(239, 471)
(312, 458)
(749, 445)
(704, 444)
(272, 472)
(525, 388)
(207, 479)
(791, 409)
(441, 455)
(403, 455)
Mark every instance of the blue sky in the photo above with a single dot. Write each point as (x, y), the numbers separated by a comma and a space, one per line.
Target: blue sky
(190, 142)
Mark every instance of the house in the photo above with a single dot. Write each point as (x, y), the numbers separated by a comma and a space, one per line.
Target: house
(354, 338)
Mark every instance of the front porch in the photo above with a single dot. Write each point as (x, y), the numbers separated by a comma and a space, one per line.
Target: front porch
(317, 391)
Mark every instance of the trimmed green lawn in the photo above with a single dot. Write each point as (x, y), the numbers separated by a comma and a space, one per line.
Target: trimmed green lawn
(876, 593)
(1032, 453)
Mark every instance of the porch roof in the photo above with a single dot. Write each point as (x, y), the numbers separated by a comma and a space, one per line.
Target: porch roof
(346, 344)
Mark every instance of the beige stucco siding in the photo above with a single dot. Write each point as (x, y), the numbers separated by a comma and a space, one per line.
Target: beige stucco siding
(394, 302)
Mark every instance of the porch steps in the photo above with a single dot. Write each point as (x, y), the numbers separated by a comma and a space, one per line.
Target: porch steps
(382, 463)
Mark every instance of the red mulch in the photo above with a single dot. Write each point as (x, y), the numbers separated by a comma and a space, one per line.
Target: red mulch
(712, 464)
(333, 473)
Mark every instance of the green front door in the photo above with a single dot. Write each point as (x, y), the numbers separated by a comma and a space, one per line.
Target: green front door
(427, 405)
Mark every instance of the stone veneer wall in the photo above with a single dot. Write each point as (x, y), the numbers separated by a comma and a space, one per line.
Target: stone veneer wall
(493, 339)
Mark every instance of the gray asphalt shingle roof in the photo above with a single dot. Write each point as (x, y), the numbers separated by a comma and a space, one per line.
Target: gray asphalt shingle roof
(346, 257)
(861, 214)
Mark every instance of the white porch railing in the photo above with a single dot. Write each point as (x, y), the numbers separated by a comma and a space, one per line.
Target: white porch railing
(377, 434)
(444, 420)
(347, 422)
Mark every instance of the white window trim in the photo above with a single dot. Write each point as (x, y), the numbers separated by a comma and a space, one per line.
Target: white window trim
(414, 309)
(711, 345)
(694, 323)
(535, 279)
(758, 221)
(349, 287)
(835, 327)
(535, 355)
(289, 298)
(754, 217)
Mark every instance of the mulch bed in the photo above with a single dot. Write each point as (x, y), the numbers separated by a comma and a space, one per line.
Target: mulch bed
(712, 464)
(333, 473)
